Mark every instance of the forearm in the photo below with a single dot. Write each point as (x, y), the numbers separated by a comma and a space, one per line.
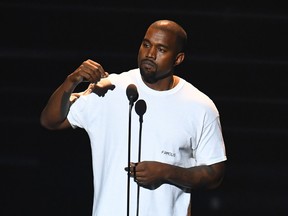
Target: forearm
(55, 112)
(57, 107)
(200, 177)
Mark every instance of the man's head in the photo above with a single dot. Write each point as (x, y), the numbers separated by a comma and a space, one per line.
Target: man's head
(161, 50)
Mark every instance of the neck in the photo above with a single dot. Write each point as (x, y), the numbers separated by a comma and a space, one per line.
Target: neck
(171, 83)
(164, 84)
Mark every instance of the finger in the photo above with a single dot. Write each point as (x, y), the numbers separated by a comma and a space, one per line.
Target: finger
(106, 74)
(134, 174)
(93, 74)
(73, 98)
(89, 72)
(86, 74)
(94, 65)
(89, 89)
(129, 171)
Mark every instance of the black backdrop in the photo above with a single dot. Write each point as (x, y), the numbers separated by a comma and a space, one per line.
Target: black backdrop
(237, 55)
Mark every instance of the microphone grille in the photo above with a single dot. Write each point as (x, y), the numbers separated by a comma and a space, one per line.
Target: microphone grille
(132, 93)
(140, 107)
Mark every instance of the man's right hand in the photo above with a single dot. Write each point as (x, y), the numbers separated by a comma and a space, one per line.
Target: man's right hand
(88, 71)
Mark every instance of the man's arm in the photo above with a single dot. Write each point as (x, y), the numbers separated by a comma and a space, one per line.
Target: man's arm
(152, 174)
(54, 114)
(199, 177)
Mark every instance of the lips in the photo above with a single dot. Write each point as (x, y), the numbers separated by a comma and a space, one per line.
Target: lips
(148, 64)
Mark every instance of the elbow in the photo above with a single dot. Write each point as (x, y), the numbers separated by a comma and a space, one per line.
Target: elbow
(216, 183)
(46, 123)
(218, 175)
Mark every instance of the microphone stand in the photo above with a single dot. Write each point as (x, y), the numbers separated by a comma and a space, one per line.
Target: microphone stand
(132, 95)
(140, 108)
(129, 157)
(139, 159)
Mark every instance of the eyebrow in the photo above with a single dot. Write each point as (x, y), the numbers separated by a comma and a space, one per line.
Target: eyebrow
(157, 44)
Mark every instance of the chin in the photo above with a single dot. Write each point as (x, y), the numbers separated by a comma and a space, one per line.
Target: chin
(148, 76)
(149, 80)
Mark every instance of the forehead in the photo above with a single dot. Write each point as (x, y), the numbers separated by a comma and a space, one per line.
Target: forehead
(161, 37)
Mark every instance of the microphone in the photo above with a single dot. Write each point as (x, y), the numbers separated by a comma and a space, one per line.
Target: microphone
(140, 108)
(132, 95)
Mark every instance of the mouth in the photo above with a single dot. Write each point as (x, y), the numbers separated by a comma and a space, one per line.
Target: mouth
(148, 65)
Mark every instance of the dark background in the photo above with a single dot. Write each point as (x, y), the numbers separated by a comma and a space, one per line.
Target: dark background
(237, 55)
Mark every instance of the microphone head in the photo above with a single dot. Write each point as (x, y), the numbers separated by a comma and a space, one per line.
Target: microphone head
(132, 93)
(140, 107)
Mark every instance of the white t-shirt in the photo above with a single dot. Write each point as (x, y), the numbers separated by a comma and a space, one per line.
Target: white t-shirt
(180, 126)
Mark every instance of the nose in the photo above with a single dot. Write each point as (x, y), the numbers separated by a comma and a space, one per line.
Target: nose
(151, 53)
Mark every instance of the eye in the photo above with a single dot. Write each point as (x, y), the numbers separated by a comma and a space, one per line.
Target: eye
(145, 44)
(162, 50)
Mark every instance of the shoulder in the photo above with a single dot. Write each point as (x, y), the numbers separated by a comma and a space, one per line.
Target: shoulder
(124, 78)
(198, 98)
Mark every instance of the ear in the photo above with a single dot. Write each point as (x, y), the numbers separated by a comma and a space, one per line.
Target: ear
(179, 58)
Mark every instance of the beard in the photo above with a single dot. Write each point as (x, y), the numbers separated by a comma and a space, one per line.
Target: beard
(148, 76)
(149, 72)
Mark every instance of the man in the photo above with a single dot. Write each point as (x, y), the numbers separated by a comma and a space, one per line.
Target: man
(182, 147)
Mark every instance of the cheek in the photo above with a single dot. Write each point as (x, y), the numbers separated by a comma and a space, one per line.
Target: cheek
(165, 62)
(140, 54)
(139, 57)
